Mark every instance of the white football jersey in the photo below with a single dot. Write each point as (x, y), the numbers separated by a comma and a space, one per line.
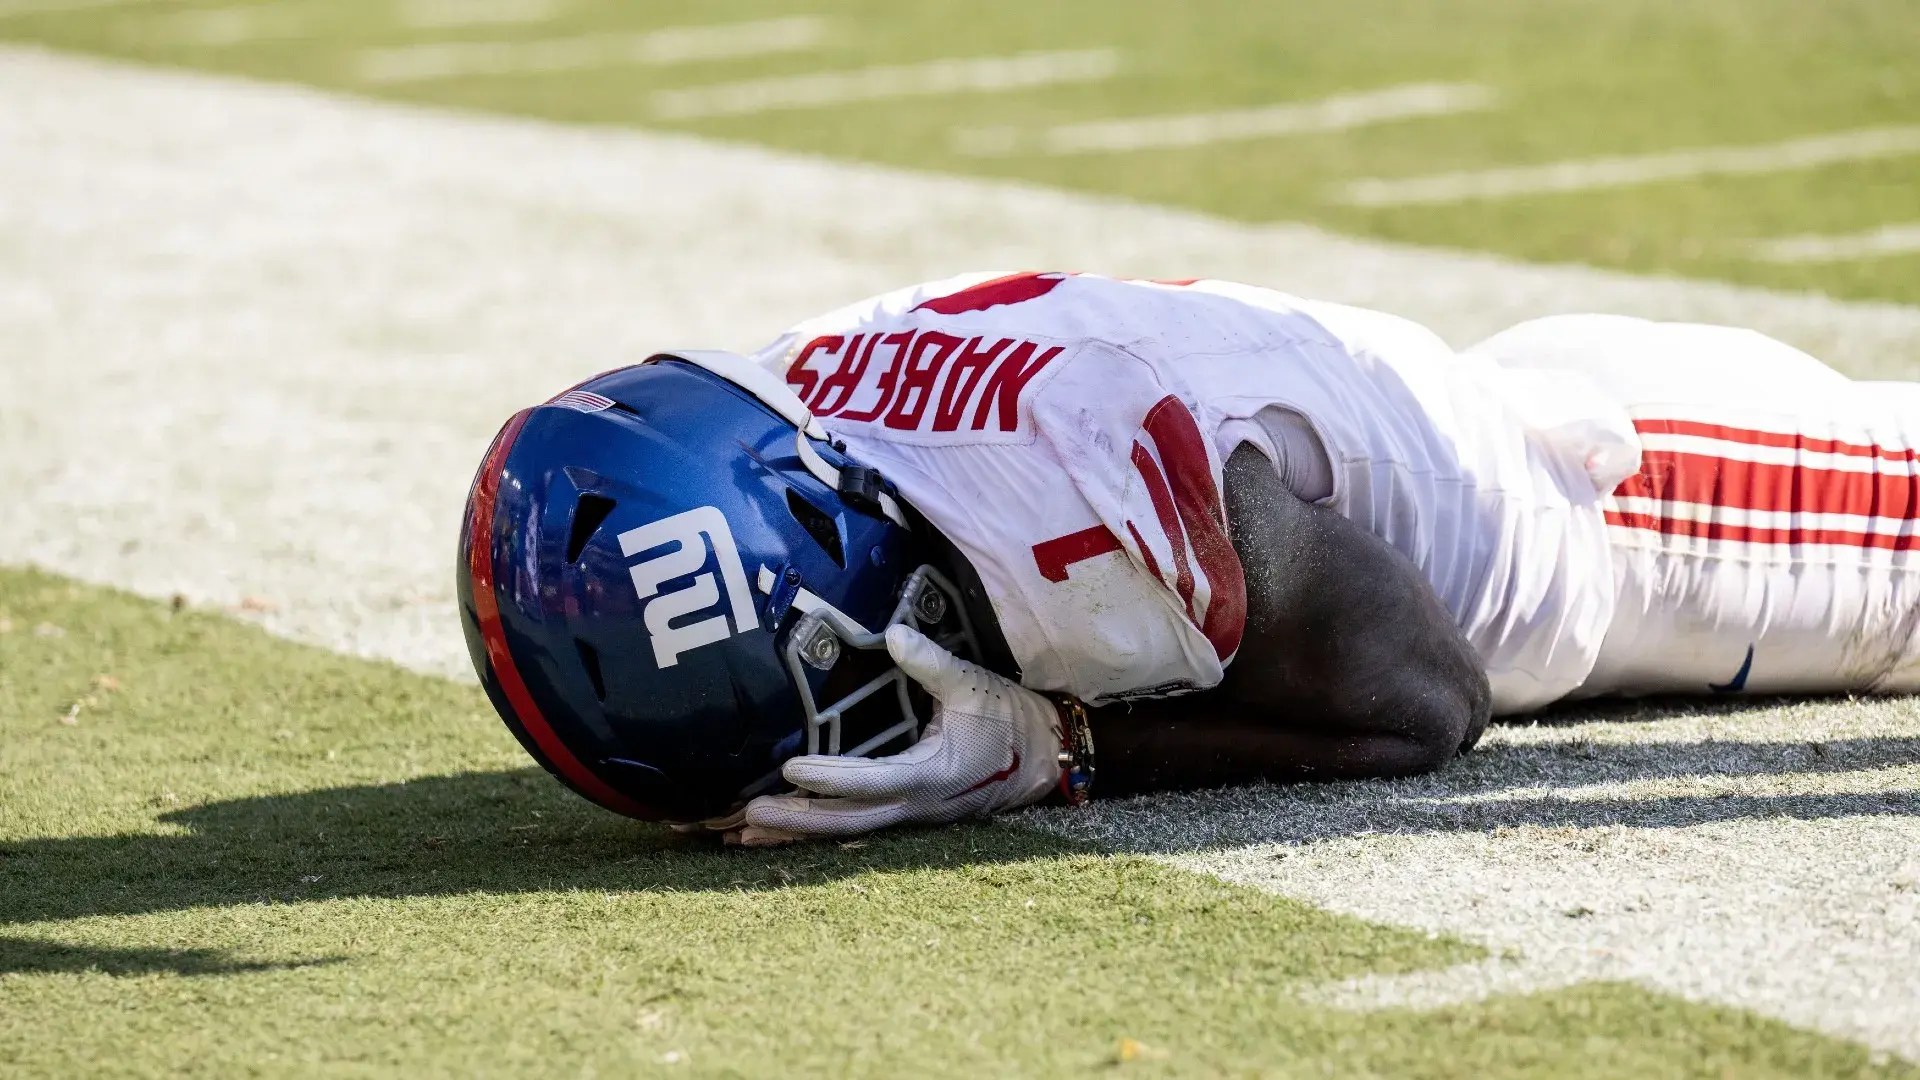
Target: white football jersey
(1067, 433)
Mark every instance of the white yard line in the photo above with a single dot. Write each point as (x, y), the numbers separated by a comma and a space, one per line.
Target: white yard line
(15, 8)
(969, 75)
(257, 337)
(221, 27)
(1875, 244)
(1589, 174)
(1767, 858)
(442, 14)
(1341, 112)
(675, 45)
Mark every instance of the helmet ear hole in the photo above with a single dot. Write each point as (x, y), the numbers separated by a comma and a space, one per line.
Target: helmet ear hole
(590, 659)
(588, 514)
(819, 526)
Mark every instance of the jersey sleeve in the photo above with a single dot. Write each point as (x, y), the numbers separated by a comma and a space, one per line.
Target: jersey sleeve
(1138, 455)
(1078, 477)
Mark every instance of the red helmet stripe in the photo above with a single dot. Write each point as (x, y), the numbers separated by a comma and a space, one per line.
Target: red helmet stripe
(486, 606)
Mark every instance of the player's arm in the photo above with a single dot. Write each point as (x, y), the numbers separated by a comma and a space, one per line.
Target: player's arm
(1349, 667)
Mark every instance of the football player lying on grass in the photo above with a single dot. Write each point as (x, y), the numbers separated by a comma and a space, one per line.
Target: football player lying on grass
(983, 542)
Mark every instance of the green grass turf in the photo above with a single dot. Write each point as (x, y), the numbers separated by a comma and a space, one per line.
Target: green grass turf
(248, 857)
(1577, 78)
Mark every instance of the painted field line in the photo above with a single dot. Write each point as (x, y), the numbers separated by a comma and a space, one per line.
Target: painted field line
(1341, 112)
(1876, 243)
(14, 8)
(163, 238)
(1589, 174)
(676, 45)
(258, 336)
(1767, 858)
(982, 74)
(439, 14)
(1446, 986)
(220, 27)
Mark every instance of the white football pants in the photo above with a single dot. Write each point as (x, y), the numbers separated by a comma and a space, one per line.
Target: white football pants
(1767, 544)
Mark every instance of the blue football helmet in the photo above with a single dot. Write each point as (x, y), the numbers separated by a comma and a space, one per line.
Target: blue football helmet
(671, 581)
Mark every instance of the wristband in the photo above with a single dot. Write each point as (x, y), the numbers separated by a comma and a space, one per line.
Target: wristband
(1076, 750)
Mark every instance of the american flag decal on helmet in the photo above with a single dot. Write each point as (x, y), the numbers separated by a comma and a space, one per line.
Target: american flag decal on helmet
(583, 401)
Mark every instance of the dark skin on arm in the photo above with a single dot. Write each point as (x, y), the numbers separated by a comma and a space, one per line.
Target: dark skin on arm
(1350, 667)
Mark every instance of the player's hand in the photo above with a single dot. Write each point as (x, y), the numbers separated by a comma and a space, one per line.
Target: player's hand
(992, 745)
(733, 829)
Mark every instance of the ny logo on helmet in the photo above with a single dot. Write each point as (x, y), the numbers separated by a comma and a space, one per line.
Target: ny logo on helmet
(686, 538)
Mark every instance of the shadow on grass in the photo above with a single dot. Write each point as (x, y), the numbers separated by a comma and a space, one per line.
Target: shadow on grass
(28, 956)
(1577, 762)
(518, 831)
(1632, 710)
(1522, 785)
(503, 832)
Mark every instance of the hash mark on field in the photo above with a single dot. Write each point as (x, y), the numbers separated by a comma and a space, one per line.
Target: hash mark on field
(1588, 174)
(14, 8)
(1877, 243)
(1733, 900)
(1442, 987)
(216, 27)
(434, 14)
(984, 74)
(677, 45)
(1340, 112)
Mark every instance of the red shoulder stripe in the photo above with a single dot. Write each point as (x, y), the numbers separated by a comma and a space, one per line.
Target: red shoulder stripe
(1011, 289)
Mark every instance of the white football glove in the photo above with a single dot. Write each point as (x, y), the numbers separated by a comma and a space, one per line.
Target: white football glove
(992, 745)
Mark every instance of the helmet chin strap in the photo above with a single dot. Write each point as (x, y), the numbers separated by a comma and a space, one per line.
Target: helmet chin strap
(830, 476)
(775, 394)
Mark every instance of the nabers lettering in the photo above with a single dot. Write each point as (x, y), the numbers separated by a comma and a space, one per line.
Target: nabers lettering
(973, 363)
(803, 378)
(916, 385)
(898, 343)
(928, 380)
(837, 389)
(1004, 386)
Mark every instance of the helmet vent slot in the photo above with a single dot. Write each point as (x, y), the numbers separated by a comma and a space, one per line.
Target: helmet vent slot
(590, 659)
(818, 525)
(588, 513)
